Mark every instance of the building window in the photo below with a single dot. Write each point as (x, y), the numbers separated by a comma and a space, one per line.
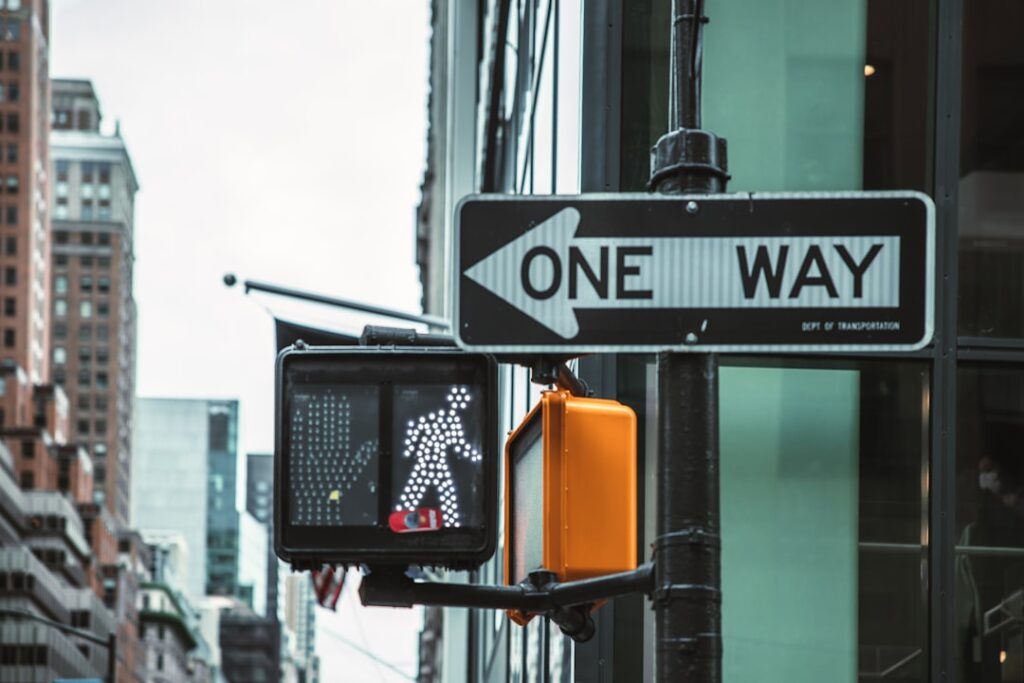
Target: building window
(28, 449)
(9, 306)
(103, 213)
(102, 333)
(12, 152)
(101, 380)
(11, 215)
(103, 239)
(13, 123)
(85, 261)
(12, 30)
(12, 184)
(85, 309)
(60, 331)
(60, 308)
(84, 402)
(85, 283)
(103, 284)
(102, 355)
(84, 380)
(13, 60)
(85, 238)
(160, 658)
(9, 339)
(88, 170)
(100, 426)
(83, 426)
(11, 245)
(59, 376)
(103, 192)
(13, 92)
(104, 168)
(61, 237)
(10, 276)
(103, 309)
(28, 480)
(103, 261)
(86, 211)
(61, 260)
(84, 333)
(62, 170)
(60, 284)
(60, 355)
(84, 354)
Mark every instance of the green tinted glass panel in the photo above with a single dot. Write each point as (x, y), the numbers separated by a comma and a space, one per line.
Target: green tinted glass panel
(789, 448)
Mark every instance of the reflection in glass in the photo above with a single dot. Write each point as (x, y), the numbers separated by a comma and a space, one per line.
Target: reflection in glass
(526, 490)
(991, 192)
(334, 456)
(990, 502)
(822, 522)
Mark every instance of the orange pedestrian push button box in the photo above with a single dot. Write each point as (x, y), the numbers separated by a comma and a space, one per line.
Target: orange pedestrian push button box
(570, 490)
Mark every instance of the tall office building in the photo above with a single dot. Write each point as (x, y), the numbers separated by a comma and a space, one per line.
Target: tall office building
(93, 332)
(184, 453)
(253, 572)
(300, 619)
(58, 556)
(24, 160)
(259, 502)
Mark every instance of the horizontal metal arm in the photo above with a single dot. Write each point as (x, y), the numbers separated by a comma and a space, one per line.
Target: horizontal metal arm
(70, 630)
(340, 303)
(639, 580)
(394, 589)
(377, 335)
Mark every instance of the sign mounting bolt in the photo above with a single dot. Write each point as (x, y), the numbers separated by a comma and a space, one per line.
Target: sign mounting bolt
(691, 207)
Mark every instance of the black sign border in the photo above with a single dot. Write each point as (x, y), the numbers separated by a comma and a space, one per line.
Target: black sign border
(857, 213)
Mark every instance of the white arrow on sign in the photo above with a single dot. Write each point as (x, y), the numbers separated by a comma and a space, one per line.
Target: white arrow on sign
(548, 272)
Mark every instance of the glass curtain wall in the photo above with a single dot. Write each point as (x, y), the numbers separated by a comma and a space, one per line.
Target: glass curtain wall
(990, 392)
(825, 462)
(834, 470)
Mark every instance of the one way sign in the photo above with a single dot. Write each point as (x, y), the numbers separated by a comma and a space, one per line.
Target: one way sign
(750, 272)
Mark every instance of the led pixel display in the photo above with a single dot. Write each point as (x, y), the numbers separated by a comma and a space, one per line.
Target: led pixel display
(334, 466)
(438, 432)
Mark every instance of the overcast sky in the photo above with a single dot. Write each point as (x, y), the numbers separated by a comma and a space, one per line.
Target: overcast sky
(281, 141)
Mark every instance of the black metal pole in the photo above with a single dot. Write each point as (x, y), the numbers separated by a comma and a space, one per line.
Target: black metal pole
(687, 550)
(687, 572)
(112, 657)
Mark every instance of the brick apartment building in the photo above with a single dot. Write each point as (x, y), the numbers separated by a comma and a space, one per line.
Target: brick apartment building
(93, 332)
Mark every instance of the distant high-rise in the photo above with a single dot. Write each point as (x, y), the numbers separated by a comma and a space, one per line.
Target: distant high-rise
(253, 571)
(185, 475)
(259, 502)
(57, 561)
(93, 332)
(300, 618)
(259, 486)
(24, 159)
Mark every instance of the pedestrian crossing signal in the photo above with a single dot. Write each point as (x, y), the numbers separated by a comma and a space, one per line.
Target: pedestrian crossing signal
(570, 491)
(373, 444)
